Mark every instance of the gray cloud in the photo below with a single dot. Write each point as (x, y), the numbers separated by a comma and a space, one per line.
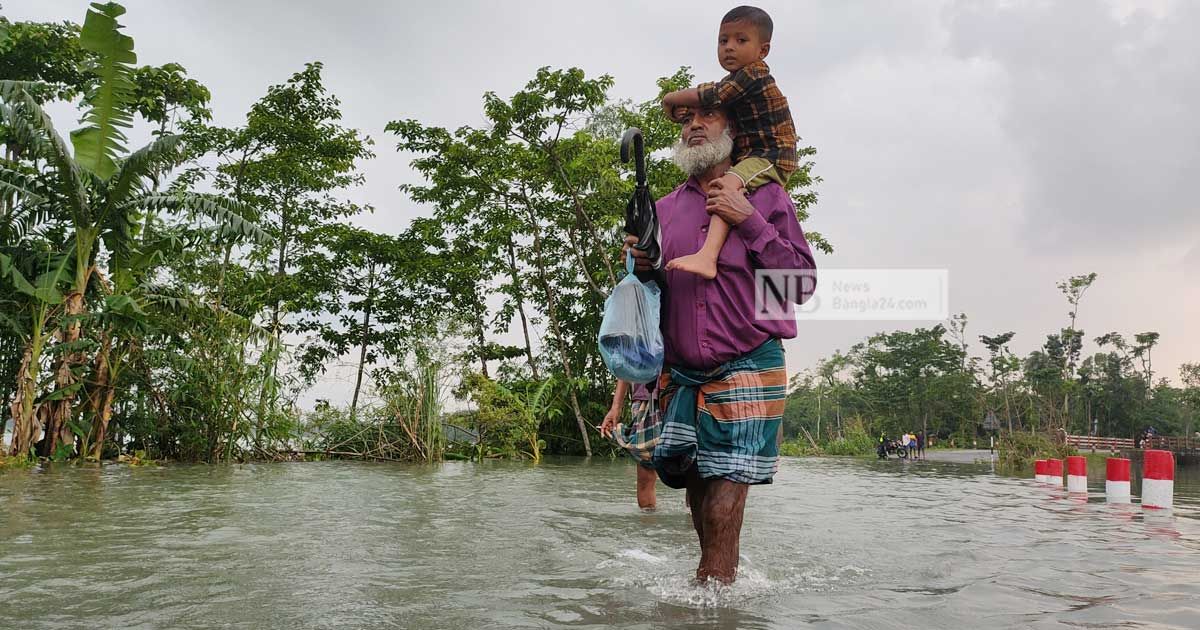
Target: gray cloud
(1102, 108)
(1012, 143)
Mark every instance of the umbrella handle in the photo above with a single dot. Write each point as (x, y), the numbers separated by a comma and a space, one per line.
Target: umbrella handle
(633, 139)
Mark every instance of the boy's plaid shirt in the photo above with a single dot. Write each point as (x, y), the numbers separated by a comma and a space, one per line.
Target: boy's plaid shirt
(764, 123)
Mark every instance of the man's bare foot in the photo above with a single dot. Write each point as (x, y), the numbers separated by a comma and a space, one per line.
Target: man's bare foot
(704, 578)
(698, 264)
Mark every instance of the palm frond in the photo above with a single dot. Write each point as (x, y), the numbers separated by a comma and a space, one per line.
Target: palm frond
(45, 287)
(32, 127)
(98, 144)
(27, 193)
(23, 184)
(226, 212)
(162, 153)
(191, 305)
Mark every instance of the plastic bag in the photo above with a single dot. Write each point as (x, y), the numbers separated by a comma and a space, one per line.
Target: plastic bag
(631, 343)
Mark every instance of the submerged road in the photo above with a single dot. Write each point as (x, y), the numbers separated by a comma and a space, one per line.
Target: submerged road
(834, 543)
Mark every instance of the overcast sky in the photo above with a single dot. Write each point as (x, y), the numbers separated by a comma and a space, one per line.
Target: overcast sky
(1012, 143)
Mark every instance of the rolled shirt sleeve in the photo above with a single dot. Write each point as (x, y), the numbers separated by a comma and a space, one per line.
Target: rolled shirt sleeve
(736, 86)
(773, 235)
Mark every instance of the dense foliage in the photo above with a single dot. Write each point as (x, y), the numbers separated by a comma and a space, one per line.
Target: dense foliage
(927, 380)
(174, 300)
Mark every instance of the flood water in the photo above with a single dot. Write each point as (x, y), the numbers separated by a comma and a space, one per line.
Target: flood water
(834, 543)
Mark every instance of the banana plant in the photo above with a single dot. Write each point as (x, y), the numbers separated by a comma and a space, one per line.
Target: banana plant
(28, 309)
(100, 190)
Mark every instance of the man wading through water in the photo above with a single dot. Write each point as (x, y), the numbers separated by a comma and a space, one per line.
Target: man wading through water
(722, 391)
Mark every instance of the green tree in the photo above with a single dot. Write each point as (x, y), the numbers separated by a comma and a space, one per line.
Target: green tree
(372, 298)
(285, 164)
(1003, 365)
(1189, 373)
(46, 54)
(98, 193)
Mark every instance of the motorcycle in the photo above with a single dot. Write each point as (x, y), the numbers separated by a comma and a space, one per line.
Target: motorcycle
(889, 447)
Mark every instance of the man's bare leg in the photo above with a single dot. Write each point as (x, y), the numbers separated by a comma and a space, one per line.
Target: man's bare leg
(721, 522)
(645, 488)
(695, 498)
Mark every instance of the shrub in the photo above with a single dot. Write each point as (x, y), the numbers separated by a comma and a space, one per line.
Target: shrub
(1019, 449)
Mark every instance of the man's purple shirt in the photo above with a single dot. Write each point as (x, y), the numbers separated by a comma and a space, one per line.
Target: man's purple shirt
(708, 322)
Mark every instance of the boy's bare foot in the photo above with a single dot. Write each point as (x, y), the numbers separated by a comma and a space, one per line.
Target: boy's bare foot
(697, 263)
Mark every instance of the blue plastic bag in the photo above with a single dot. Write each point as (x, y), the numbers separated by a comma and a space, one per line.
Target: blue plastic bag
(631, 343)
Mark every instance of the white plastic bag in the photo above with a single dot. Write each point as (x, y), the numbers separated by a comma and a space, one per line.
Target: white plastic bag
(631, 343)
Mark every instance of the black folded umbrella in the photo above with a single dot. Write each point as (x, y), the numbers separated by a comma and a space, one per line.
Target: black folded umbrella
(641, 218)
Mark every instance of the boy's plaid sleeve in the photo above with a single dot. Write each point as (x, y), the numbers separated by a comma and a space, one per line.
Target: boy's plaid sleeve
(732, 88)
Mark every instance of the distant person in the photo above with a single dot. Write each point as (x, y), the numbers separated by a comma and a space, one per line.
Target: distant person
(765, 143)
(640, 408)
(921, 445)
(906, 442)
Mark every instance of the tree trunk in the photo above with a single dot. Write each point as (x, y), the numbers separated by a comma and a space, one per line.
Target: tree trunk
(1007, 409)
(106, 406)
(559, 341)
(58, 412)
(24, 409)
(519, 294)
(480, 338)
(583, 217)
(280, 268)
(818, 411)
(362, 349)
(100, 398)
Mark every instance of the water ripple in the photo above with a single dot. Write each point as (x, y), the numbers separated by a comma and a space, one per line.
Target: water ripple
(833, 543)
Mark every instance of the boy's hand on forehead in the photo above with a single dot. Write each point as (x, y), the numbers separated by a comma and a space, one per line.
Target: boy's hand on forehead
(675, 113)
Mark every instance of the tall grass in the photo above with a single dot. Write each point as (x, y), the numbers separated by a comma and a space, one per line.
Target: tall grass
(853, 441)
(405, 426)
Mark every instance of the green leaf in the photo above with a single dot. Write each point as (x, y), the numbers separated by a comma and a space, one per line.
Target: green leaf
(229, 213)
(32, 127)
(98, 144)
(8, 269)
(163, 153)
(61, 393)
(13, 325)
(20, 183)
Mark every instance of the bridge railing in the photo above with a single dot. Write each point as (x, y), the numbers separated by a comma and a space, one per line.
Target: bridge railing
(1171, 443)
(1164, 442)
(1096, 443)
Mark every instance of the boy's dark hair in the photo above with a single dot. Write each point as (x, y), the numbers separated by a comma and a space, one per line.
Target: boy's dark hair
(753, 15)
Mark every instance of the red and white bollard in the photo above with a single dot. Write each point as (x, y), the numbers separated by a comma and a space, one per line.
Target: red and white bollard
(1054, 472)
(1158, 479)
(1077, 474)
(1116, 480)
(1039, 471)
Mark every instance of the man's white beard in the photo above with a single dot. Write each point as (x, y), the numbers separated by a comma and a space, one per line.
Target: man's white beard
(695, 160)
